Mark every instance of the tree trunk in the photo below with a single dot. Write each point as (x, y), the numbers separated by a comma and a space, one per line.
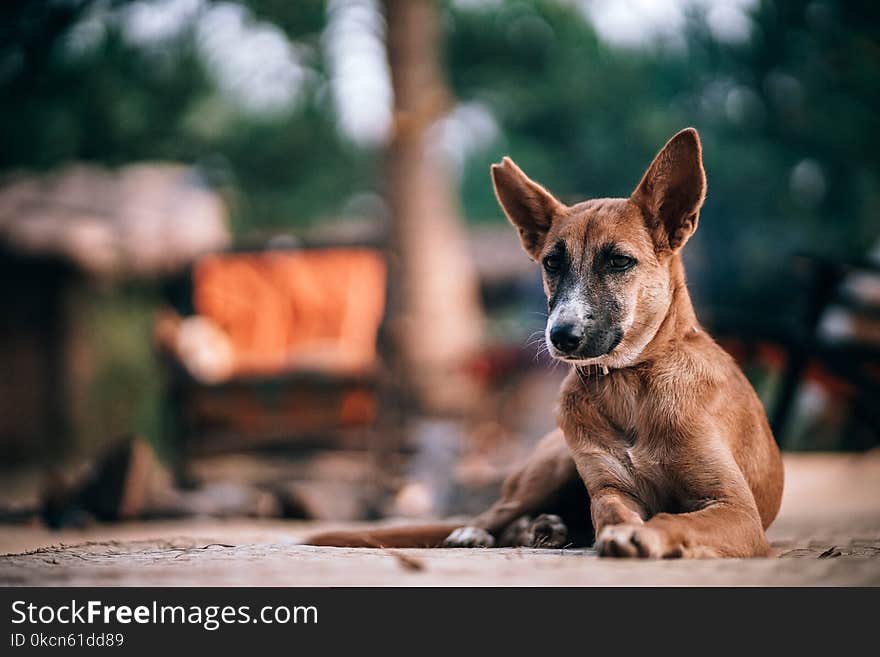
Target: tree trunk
(437, 319)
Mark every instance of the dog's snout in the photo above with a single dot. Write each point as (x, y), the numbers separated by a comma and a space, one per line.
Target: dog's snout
(566, 337)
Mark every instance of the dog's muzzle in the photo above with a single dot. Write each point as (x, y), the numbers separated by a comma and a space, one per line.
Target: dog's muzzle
(573, 341)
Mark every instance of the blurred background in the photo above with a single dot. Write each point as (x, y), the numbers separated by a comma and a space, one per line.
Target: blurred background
(252, 264)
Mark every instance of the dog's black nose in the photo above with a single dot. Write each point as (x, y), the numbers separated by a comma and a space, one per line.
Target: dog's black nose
(566, 337)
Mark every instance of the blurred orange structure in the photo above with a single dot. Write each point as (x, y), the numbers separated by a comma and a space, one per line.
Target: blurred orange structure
(282, 346)
(311, 309)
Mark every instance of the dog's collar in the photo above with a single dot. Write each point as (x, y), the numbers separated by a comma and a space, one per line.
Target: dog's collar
(589, 371)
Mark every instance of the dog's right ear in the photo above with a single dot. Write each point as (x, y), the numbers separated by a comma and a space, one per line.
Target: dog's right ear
(529, 206)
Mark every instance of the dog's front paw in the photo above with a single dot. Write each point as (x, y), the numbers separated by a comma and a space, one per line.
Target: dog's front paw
(634, 541)
(548, 531)
(469, 537)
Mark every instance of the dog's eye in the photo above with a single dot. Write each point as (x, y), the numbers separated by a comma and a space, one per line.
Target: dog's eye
(552, 263)
(619, 262)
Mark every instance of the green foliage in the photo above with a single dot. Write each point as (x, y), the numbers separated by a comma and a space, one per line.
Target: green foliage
(788, 117)
(122, 393)
(586, 118)
(118, 102)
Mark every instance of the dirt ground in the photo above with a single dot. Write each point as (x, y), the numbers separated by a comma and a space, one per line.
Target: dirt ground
(828, 533)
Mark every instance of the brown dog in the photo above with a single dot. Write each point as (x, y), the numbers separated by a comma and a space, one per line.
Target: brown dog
(658, 423)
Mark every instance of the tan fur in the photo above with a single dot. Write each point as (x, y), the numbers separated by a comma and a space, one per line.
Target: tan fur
(665, 432)
(672, 443)
(389, 537)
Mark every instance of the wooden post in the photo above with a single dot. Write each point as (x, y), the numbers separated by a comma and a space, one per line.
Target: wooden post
(436, 317)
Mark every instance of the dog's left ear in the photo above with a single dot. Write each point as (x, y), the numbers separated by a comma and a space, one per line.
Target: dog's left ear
(672, 190)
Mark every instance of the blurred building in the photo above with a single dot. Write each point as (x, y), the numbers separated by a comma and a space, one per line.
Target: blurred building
(82, 226)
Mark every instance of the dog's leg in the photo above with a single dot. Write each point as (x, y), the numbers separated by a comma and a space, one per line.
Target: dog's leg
(722, 530)
(548, 480)
(525, 491)
(611, 506)
(727, 524)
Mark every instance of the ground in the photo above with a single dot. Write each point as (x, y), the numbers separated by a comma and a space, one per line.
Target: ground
(827, 533)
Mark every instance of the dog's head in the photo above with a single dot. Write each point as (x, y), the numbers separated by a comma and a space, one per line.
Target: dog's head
(607, 262)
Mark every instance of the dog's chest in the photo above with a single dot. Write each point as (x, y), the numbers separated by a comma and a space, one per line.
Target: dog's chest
(642, 470)
(630, 452)
(643, 461)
